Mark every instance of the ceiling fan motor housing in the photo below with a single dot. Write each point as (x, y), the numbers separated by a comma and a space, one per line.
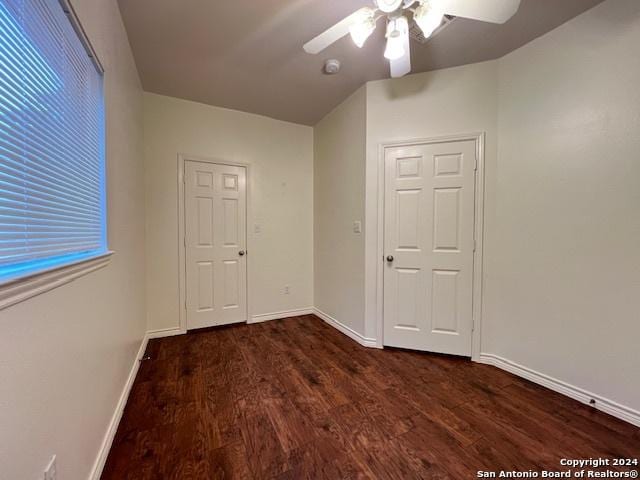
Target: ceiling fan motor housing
(389, 6)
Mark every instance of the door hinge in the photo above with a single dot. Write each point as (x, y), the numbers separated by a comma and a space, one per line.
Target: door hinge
(475, 167)
(475, 245)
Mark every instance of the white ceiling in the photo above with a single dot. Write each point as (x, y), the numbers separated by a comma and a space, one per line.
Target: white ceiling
(247, 54)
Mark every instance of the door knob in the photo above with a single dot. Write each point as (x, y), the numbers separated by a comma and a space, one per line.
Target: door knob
(390, 258)
(241, 253)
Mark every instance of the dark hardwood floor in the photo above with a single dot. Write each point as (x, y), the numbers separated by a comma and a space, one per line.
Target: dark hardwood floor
(295, 399)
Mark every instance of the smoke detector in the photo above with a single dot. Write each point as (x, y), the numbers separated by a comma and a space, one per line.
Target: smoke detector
(331, 67)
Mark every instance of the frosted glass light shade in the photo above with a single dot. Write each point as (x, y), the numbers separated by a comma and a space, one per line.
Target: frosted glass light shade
(428, 16)
(362, 29)
(397, 30)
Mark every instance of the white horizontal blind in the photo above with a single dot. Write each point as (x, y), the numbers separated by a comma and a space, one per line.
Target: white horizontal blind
(52, 196)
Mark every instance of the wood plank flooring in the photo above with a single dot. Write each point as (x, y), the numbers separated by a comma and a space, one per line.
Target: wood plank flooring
(296, 399)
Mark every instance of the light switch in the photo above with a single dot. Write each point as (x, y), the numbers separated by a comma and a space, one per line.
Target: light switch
(357, 226)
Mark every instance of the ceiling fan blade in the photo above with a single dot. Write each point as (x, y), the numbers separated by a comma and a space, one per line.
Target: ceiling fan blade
(493, 11)
(402, 66)
(334, 33)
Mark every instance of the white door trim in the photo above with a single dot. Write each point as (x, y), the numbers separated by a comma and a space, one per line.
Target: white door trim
(182, 264)
(479, 138)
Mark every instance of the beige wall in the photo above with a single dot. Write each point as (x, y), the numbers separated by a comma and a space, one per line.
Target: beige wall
(280, 200)
(457, 100)
(562, 284)
(65, 355)
(339, 166)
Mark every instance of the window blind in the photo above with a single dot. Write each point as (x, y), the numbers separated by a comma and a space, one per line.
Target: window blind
(52, 173)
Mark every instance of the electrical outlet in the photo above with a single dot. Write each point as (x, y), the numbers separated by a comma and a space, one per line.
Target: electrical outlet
(357, 226)
(257, 229)
(286, 290)
(50, 472)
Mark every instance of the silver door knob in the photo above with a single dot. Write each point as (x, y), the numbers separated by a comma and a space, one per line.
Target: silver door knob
(241, 253)
(390, 258)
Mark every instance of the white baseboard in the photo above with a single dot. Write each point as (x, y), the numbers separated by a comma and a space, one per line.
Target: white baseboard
(349, 332)
(103, 453)
(279, 315)
(604, 404)
(165, 332)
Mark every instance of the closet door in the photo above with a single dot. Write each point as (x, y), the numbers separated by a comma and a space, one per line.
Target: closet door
(429, 246)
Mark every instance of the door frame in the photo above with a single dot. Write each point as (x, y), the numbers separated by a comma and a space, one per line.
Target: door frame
(479, 139)
(182, 263)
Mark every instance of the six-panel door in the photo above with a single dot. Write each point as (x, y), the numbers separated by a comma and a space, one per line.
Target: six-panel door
(429, 243)
(215, 244)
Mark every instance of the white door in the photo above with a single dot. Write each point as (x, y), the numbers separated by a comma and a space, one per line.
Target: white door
(429, 246)
(215, 239)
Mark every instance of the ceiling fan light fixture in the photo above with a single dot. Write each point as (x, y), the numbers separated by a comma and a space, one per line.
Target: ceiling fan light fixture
(428, 16)
(397, 30)
(394, 50)
(362, 29)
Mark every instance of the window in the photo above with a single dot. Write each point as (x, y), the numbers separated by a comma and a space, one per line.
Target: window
(52, 171)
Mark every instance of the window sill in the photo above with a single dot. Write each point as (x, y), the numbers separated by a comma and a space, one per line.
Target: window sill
(22, 289)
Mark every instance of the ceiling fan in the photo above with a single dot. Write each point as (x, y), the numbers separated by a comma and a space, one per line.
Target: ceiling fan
(427, 14)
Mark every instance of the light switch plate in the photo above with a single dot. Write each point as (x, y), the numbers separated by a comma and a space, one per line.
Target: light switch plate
(50, 472)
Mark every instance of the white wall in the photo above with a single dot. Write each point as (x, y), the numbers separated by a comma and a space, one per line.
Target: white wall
(65, 355)
(339, 168)
(281, 200)
(457, 100)
(562, 286)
